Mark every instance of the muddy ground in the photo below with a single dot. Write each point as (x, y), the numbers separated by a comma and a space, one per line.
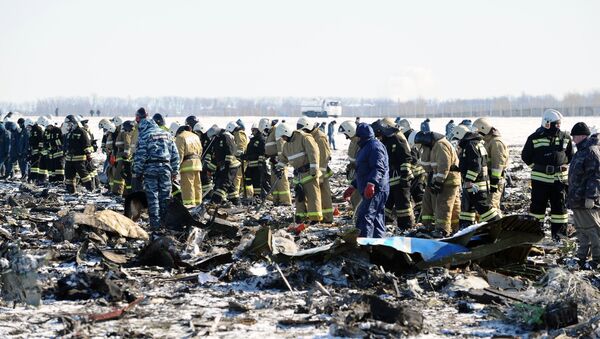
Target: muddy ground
(96, 282)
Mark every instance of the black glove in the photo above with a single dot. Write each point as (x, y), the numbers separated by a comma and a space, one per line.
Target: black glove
(278, 172)
(436, 187)
(299, 190)
(404, 183)
(493, 189)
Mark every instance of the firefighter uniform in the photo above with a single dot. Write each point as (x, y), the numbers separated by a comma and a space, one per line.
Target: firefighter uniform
(189, 148)
(108, 143)
(497, 164)
(353, 149)
(36, 145)
(89, 163)
(549, 153)
(302, 153)
(225, 165)
(419, 181)
(281, 192)
(400, 171)
(326, 173)
(53, 147)
(78, 148)
(205, 174)
(122, 170)
(241, 142)
(256, 171)
(441, 200)
(474, 172)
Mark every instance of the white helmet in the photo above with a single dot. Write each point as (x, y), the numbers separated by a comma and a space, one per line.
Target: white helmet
(264, 124)
(231, 126)
(103, 124)
(213, 131)
(483, 126)
(254, 125)
(117, 121)
(388, 122)
(304, 123)
(411, 138)
(348, 128)
(198, 127)
(404, 125)
(174, 127)
(28, 122)
(43, 121)
(550, 116)
(459, 132)
(283, 129)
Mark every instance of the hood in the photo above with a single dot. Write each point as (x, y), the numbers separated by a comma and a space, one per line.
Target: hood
(592, 140)
(364, 131)
(146, 124)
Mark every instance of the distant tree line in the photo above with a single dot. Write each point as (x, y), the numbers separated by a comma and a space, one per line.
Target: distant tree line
(573, 104)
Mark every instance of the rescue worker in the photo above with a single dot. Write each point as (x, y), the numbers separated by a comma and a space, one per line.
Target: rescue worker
(53, 146)
(348, 129)
(472, 158)
(15, 147)
(35, 146)
(20, 149)
(419, 181)
(449, 129)
(78, 149)
(497, 154)
(157, 161)
(160, 121)
(301, 152)
(137, 183)
(441, 200)
(331, 134)
(4, 148)
(189, 149)
(205, 158)
(106, 146)
(255, 157)
(241, 142)
(372, 181)
(173, 128)
(122, 174)
(90, 164)
(273, 146)
(224, 164)
(400, 172)
(425, 125)
(584, 194)
(548, 152)
(325, 172)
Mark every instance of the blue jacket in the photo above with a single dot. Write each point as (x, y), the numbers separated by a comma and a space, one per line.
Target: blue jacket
(19, 144)
(584, 174)
(449, 128)
(155, 150)
(371, 161)
(330, 129)
(4, 142)
(425, 126)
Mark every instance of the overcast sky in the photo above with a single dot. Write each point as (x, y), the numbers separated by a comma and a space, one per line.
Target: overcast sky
(396, 49)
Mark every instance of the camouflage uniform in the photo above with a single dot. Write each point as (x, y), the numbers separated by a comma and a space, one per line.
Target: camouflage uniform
(155, 158)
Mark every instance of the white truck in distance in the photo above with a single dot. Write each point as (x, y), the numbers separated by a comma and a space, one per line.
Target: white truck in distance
(322, 108)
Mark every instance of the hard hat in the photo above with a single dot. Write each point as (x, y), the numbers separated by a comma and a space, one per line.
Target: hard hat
(174, 127)
(213, 131)
(28, 122)
(102, 123)
(240, 123)
(82, 120)
(198, 127)
(389, 122)
(111, 127)
(117, 121)
(43, 121)
(404, 125)
(254, 125)
(72, 122)
(460, 131)
(283, 129)
(348, 128)
(128, 126)
(191, 121)
(231, 126)
(304, 123)
(264, 124)
(64, 127)
(550, 116)
(158, 119)
(483, 126)
(412, 137)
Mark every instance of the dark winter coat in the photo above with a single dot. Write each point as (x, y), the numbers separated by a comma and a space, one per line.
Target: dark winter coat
(472, 158)
(371, 161)
(4, 142)
(19, 144)
(584, 174)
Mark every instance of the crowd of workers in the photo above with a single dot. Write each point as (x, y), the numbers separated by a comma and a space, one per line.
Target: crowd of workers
(444, 182)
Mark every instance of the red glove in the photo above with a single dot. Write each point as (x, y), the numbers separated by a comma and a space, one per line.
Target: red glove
(369, 190)
(348, 192)
(88, 157)
(112, 160)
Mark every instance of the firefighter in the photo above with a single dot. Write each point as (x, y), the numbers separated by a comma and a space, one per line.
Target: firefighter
(548, 151)
(241, 142)
(348, 129)
(419, 181)
(255, 156)
(160, 121)
(301, 152)
(107, 143)
(281, 191)
(78, 149)
(224, 164)
(441, 200)
(35, 139)
(94, 142)
(206, 157)
(53, 146)
(123, 158)
(137, 183)
(189, 149)
(324, 157)
(497, 159)
(473, 160)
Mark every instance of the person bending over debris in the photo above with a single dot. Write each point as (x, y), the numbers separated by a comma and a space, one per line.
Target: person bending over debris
(224, 164)
(372, 171)
(584, 193)
(157, 160)
(281, 192)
